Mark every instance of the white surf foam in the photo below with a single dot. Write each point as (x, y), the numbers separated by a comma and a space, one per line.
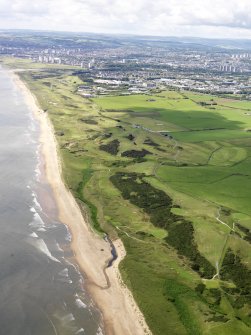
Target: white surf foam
(68, 318)
(80, 303)
(37, 173)
(37, 204)
(33, 235)
(40, 245)
(37, 221)
(74, 266)
(58, 247)
(41, 229)
(99, 331)
(64, 274)
(32, 209)
(68, 234)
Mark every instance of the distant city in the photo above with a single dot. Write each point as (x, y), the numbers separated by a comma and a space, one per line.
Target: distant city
(131, 65)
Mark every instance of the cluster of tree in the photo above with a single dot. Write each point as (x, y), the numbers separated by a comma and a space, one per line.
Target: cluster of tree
(234, 270)
(136, 153)
(157, 204)
(89, 121)
(111, 147)
(149, 141)
(246, 231)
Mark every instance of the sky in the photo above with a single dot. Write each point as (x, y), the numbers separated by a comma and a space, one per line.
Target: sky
(202, 18)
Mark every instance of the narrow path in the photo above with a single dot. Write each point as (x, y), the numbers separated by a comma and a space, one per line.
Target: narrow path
(219, 262)
(213, 152)
(156, 167)
(217, 275)
(132, 237)
(222, 222)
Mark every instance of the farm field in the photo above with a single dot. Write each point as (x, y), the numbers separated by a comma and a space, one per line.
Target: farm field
(168, 173)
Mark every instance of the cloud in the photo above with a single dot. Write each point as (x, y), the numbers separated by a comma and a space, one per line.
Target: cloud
(214, 18)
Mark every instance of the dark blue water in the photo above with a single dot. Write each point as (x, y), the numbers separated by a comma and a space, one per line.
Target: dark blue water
(41, 289)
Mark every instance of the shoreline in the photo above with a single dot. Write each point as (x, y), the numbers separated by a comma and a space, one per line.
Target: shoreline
(121, 315)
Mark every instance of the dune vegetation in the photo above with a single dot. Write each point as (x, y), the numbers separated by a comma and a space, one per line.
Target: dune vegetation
(169, 174)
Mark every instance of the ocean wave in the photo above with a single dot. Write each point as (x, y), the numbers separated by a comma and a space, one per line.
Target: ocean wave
(37, 173)
(76, 268)
(33, 235)
(35, 201)
(37, 221)
(80, 303)
(68, 236)
(40, 245)
(59, 248)
(33, 210)
(41, 229)
(67, 318)
(64, 274)
(99, 331)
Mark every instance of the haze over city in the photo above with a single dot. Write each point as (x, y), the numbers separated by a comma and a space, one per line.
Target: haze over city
(210, 18)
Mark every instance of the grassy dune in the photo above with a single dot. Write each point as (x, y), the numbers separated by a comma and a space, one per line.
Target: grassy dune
(174, 198)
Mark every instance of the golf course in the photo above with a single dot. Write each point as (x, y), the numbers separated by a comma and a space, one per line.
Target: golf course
(169, 173)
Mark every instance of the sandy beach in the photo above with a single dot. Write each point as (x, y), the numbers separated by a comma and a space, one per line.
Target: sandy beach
(120, 312)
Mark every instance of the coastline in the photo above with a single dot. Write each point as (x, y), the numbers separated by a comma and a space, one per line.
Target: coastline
(121, 315)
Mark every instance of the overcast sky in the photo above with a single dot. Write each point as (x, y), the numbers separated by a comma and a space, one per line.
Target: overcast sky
(204, 18)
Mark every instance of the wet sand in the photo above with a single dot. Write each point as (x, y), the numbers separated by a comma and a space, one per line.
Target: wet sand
(120, 312)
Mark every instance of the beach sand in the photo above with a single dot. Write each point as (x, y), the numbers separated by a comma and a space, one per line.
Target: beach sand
(121, 315)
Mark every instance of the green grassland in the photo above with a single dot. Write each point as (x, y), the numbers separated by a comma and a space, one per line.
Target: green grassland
(170, 175)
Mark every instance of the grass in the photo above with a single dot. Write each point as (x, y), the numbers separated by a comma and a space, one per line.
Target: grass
(201, 166)
(208, 135)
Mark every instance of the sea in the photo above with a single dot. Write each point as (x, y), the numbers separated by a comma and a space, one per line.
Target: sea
(42, 291)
